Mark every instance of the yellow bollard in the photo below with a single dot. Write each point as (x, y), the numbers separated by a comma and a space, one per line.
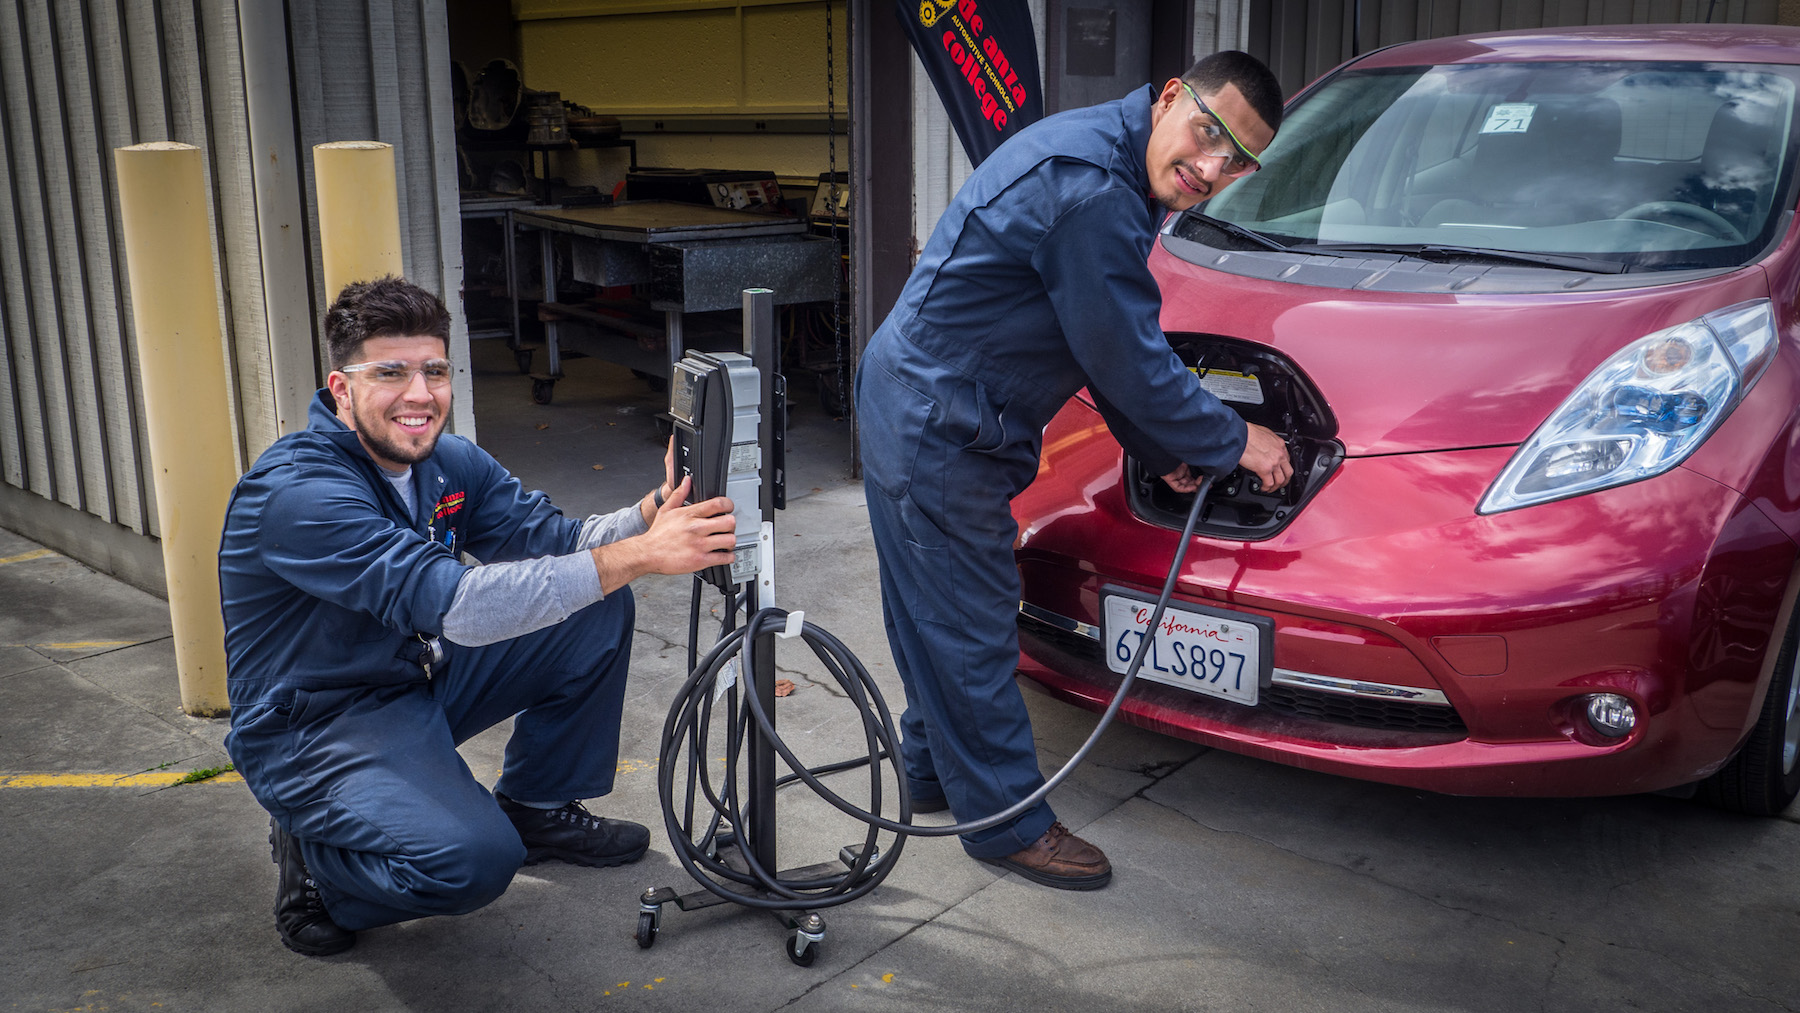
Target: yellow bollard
(359, 212)
(181, 358)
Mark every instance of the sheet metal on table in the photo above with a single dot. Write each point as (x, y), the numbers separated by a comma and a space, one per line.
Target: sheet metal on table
(642, 223)
(646, 222)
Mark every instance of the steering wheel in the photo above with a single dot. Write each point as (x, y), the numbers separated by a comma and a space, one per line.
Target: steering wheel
(1683, 215)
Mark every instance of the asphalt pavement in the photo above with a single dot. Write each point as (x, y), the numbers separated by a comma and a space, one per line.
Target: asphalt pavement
(1239, 884)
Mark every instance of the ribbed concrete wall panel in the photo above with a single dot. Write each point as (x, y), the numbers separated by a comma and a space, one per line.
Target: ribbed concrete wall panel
(66, 136)
(22, 459)
(239, 249)
(79, 79)
(48, 424)
(93, 41)
(378, 70)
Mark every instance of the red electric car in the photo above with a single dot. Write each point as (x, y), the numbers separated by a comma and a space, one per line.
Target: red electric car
(1526, 308)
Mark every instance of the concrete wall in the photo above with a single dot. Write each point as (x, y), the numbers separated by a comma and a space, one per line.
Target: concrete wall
(254, 85)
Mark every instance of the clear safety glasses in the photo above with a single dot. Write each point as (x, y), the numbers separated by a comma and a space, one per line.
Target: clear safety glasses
(394, 373)
(1217, 140)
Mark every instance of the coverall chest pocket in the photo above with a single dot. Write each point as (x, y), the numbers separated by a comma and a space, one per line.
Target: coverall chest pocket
(894, 417)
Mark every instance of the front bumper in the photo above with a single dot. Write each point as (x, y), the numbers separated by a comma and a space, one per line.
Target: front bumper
(1665, 591)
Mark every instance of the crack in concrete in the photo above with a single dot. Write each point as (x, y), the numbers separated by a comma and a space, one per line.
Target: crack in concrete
(884, 947)
(1556, 956)
(1372, 877)
(667, 644)
(1561, 944)
(830, 686)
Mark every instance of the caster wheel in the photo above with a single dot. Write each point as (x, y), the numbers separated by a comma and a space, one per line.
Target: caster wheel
(522, 356)
(646, 931)
(542, 388)
(803, 957)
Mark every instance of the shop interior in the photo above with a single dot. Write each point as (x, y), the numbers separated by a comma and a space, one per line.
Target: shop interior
(627, 168)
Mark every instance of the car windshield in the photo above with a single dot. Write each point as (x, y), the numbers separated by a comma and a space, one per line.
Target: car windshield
(1650, 166)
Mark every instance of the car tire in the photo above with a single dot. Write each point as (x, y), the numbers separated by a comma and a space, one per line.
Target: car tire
(1764, 777)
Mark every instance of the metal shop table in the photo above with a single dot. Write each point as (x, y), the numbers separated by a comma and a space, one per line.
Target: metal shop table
(499, 207)
(687, 258)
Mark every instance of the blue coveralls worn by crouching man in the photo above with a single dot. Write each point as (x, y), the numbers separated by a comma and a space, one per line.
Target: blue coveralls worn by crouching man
(1033, 285)
(362, 649)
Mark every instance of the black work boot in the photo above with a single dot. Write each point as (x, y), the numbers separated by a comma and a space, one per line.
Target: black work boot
(574, 835)
(300, 915)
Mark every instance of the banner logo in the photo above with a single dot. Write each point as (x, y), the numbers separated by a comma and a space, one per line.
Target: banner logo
(930, 9)
(981, 55)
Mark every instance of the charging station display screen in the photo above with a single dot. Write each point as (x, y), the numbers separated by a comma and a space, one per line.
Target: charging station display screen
(715, 401)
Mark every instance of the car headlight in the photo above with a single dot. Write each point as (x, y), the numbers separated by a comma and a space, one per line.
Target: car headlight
(1643, 411)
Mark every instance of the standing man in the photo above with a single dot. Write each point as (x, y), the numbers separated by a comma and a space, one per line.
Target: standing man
(1035, 284)
(362, 649)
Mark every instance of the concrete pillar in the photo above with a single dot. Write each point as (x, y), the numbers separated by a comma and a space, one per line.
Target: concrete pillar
(181, 357)
(359, 212)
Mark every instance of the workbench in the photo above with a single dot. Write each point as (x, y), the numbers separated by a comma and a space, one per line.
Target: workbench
(499, 208)
(685, 258)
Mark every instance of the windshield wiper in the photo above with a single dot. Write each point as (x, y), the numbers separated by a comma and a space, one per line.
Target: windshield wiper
(1237, 231)
(1435, 251)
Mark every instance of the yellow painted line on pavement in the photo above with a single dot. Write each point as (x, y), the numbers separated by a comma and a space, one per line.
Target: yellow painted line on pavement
(23, 556)
(167, 778)
(151, 779)
(81, 645)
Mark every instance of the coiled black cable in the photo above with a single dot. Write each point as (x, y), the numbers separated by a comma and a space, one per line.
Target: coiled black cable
(688, 730)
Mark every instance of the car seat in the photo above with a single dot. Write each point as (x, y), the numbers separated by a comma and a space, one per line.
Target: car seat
(1737, 167)
(1552, 173)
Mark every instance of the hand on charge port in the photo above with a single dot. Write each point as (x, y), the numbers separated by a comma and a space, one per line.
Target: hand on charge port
(1183, 479)
(1266, 457)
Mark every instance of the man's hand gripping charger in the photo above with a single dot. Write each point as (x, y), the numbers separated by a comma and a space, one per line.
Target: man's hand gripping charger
(715, 400)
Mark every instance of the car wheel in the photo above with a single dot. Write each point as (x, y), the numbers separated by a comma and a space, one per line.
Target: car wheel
(1764, 777)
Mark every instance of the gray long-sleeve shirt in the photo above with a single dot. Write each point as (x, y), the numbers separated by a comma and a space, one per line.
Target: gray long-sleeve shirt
(500, 601)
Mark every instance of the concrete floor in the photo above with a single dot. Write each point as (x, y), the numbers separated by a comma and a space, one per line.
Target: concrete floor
(1240, 885)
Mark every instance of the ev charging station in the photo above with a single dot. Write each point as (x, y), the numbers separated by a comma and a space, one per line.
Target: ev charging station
(728, 410)
(729, 419)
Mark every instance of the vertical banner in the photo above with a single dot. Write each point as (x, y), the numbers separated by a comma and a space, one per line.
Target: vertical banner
(981, 55)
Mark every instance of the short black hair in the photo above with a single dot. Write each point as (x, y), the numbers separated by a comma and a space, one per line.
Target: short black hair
(1253, 79)
(382, 308)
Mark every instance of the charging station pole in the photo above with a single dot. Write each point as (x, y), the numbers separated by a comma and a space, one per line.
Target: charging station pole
(711, 398)
(759, 345)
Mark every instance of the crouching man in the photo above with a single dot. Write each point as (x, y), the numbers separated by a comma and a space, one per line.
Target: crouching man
(362, 649)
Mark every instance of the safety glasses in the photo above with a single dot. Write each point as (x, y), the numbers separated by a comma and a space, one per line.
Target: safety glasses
(394, 373)
(1217, 141)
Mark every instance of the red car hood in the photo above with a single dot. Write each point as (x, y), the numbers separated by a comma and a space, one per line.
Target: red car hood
(1405, 373)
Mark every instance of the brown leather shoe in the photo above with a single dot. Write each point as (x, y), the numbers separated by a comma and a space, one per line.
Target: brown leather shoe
(1059, 859)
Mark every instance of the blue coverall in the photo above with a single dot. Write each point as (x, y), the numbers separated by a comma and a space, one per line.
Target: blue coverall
(1034, 284)
(326, 582)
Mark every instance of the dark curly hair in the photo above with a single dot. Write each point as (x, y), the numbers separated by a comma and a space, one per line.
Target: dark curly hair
(383, 308)
(1255, 81)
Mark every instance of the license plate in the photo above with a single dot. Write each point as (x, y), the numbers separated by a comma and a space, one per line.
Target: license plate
(1218, 653)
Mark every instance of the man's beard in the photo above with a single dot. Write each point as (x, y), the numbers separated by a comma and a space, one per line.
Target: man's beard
(374, 436)
(1169, 203)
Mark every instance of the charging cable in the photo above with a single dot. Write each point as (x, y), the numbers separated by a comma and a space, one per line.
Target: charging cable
(716, 678)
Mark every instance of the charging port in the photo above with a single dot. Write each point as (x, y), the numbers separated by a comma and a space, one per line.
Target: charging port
(1264, 388)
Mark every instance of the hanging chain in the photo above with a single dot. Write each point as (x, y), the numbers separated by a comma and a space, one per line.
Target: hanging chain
(837, 275)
